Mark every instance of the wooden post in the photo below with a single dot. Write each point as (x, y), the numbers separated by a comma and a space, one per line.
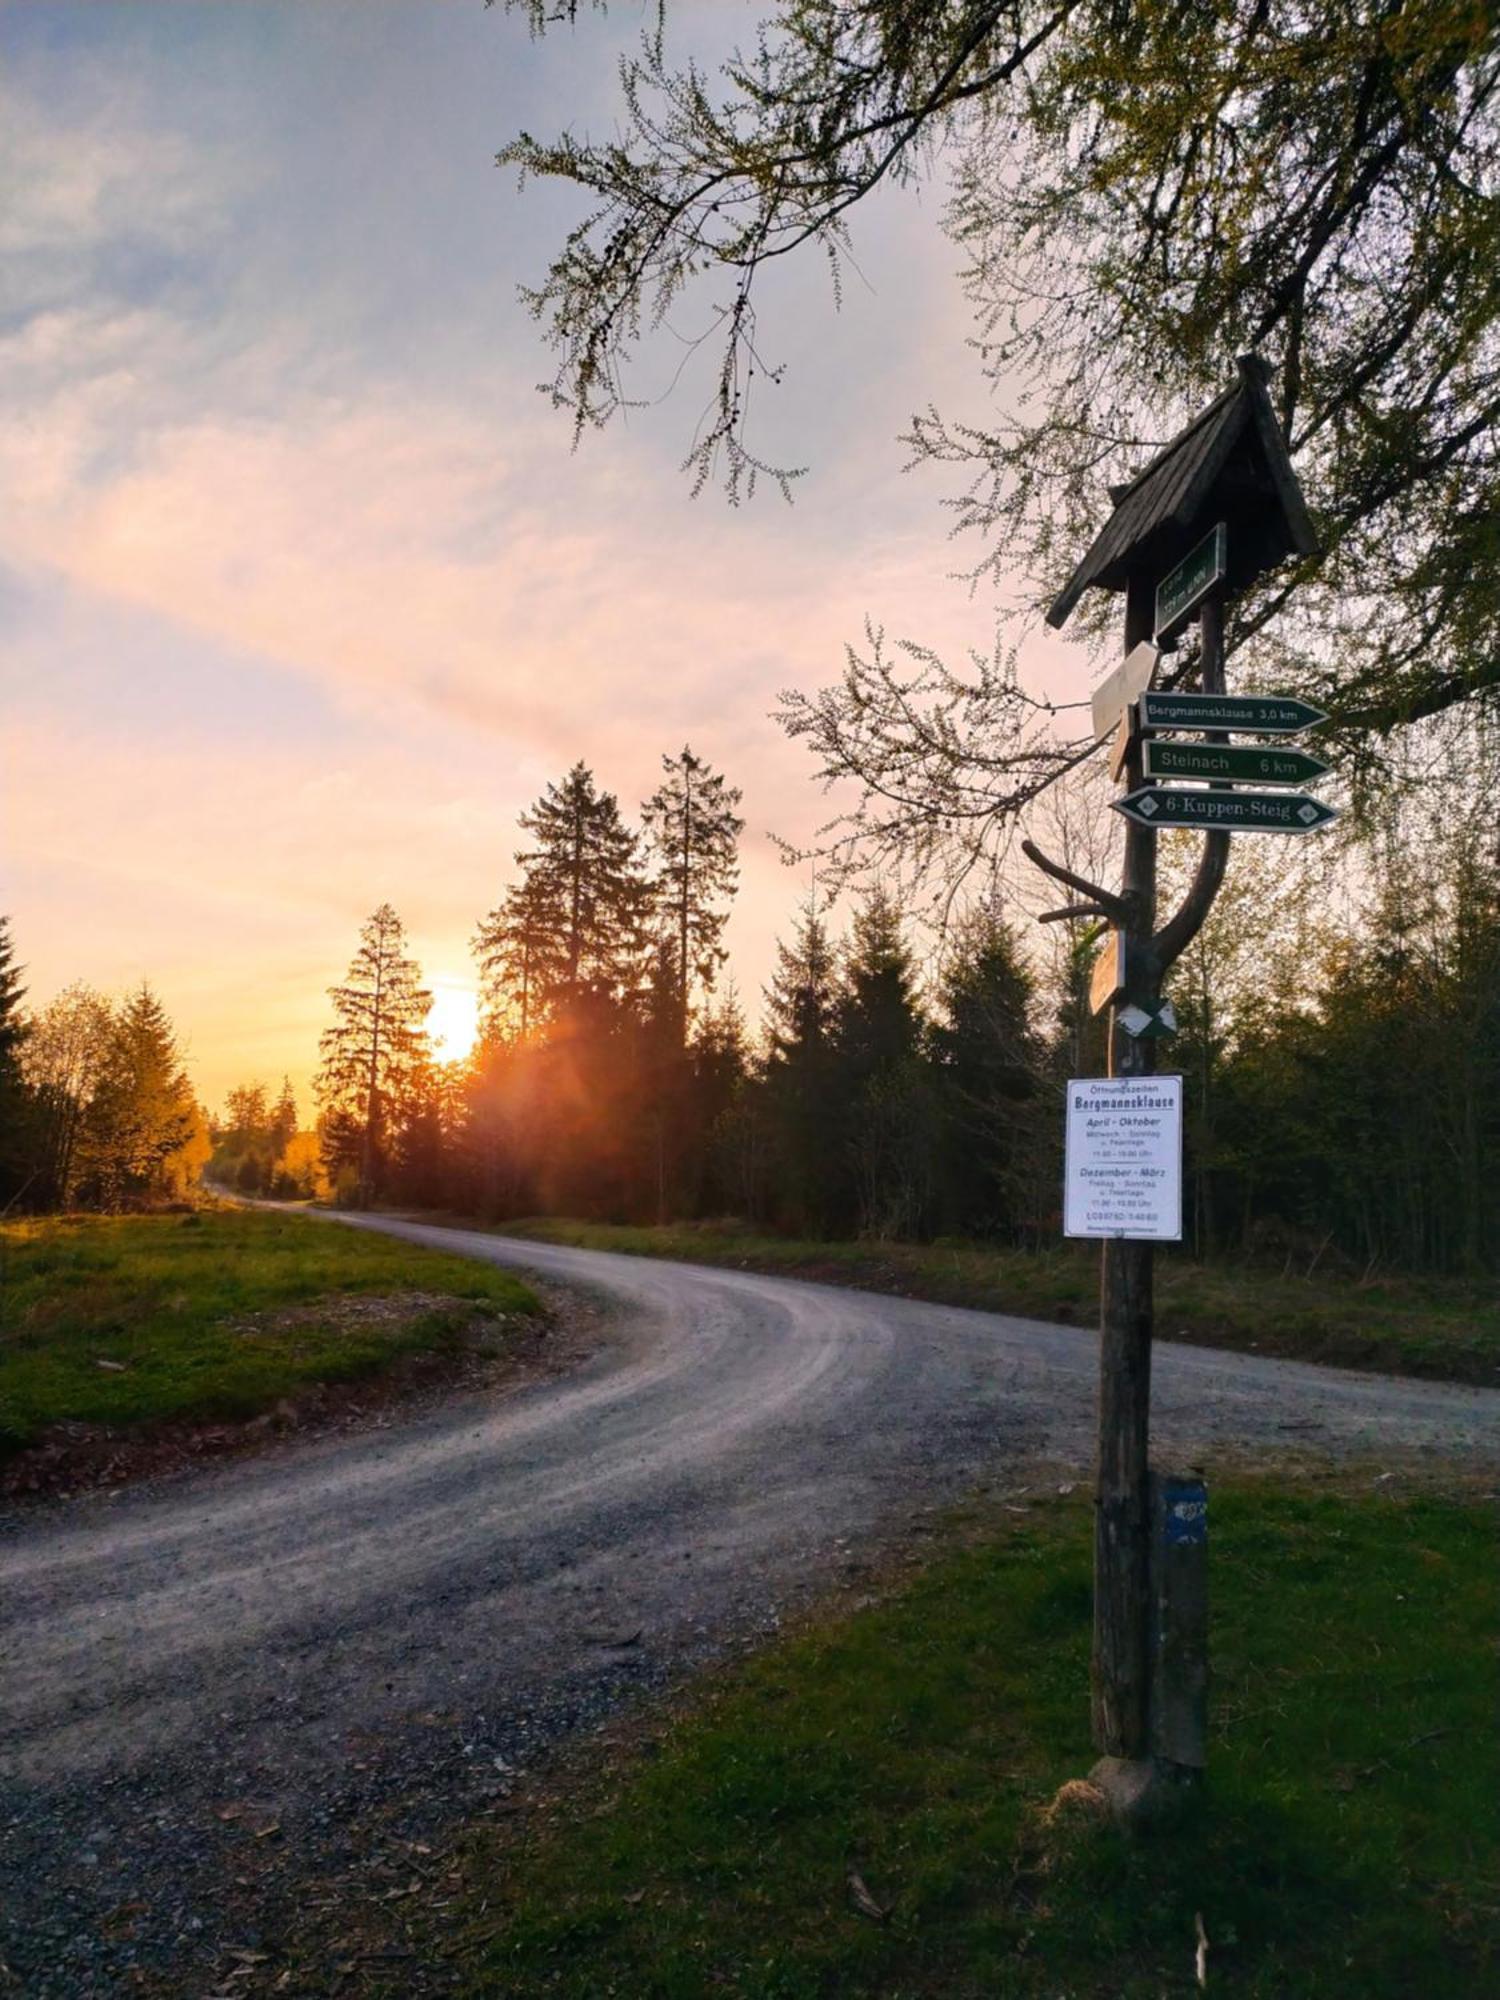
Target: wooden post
(1122, 1534)
(1229, 464)
(1179, 1686)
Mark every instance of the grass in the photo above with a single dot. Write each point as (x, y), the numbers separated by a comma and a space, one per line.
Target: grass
(1347, 1842)
(212, 1315)
(1444, 1328)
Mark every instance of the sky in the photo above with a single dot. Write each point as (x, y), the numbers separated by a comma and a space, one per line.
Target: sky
(304, 594)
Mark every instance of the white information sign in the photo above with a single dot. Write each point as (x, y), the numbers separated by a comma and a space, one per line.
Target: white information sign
(1124, 1158)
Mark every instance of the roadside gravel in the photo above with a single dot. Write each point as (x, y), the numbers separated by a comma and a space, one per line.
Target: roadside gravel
(224, 1690)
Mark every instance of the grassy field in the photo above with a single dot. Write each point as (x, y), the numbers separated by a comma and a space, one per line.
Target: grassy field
(1347, 1843)
(1442, 1328)
(216, 1314)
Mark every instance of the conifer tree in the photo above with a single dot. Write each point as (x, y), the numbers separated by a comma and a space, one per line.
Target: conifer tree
(588, 900)
(373, 1049)
(989, 1064)
(521, 953)
(17, 1137)
(142, 1108)
(282, 1123)
(879, 1031)
(12, 992)
(693, 832)
(800, 1079)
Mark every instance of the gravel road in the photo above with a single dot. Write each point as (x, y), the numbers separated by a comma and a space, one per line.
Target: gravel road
(212, 1689)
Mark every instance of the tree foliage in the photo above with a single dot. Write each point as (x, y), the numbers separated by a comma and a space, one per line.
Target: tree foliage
(1138, 193)
(140, 1133)
(572, 933)
(16, 1167)
(374, 1051)
(692, 833)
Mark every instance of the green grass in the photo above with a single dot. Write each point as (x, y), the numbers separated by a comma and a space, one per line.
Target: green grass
(1445, 1328)
(1347, 1843)
(216, 1314)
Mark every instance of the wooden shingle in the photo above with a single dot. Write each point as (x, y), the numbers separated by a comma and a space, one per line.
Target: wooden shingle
(1230, 464)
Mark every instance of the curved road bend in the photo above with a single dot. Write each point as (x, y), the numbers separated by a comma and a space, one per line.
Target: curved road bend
(391, 1623)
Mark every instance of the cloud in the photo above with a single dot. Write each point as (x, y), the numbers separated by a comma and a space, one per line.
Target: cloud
(313, 599)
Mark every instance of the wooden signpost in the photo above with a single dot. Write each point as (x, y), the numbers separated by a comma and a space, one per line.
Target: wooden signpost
(1217, 508)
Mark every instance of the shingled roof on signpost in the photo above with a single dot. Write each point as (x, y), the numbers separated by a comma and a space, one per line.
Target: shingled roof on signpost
(1231, 464)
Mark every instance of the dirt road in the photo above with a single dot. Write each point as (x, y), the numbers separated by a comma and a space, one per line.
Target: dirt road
(211, 1691)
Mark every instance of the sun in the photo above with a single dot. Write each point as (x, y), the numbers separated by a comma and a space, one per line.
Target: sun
(454, 1021)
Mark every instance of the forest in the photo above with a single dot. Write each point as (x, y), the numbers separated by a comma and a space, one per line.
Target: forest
(1339, 1037)
(1339, 1034)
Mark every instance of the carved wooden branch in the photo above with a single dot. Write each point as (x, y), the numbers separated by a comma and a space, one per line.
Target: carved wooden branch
(1107, 904)
(1174, 937)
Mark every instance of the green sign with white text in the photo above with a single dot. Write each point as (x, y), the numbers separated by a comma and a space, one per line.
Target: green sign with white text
(1255, 714)
(1250, 763)
(1179, 594)
(1244, 812)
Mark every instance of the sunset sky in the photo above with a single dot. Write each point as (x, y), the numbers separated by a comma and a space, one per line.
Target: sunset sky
(302, 595)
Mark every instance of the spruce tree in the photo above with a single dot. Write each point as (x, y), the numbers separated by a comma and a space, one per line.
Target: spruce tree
(18, 1135)
(800, 1084)
(886, 1106)
(693, 832)
(521, 951)
(585, 900)
(373, 1049)
(142, 1108)
(282, 1123)
(989, 1064)
(585, 858)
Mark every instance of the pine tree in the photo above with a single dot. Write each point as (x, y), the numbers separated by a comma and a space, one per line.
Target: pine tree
(887, 1107)
(989, 1064)
(591, 900)
(374, 1048)
(803, 1115)
(18, 1166)
(693, 832)
(142, 1109)
(12, 992)
(720, 1056)
(282, 1123)
(521, 951)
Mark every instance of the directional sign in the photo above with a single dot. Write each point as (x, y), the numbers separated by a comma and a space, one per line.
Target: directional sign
(1179, 594)
(1119, 689)
(1257, 714)
(1261, 765)
(1246, 812)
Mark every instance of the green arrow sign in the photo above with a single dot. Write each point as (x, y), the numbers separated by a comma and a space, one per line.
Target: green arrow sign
(1246, 812)
(1179, 594)
(1261, 714)
(1268, 766)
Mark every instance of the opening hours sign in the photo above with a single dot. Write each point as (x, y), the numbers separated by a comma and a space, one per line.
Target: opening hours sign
(1124, 1158)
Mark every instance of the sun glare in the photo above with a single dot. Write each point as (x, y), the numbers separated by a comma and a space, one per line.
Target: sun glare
(454, 1021)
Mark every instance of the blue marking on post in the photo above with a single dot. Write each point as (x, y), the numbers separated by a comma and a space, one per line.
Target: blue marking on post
(1185, 1515)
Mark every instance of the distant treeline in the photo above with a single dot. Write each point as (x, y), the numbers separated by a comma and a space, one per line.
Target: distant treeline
(1343, 1081)
(96, 1110)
